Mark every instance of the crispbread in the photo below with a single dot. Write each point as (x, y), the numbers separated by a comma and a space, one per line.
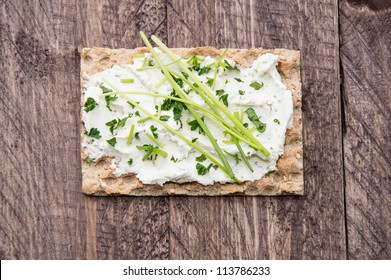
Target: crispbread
(288, 179)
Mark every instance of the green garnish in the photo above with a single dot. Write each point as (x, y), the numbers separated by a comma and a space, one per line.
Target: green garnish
(245, 125)
(136, 135)
(130, 136)
(202, 170)
(105, 89)
(151, 63)
(204, 70)
(116, 123)
(194, 139)
(94, 133)
(112, 141)
(200, 158)
(164, 118)
(151, 152)
(154, 131)
(108, 100)
(173, 159)
(90, 104)
(277, 121)
(209, 81)
(256, 85)
(130, 161)
(224, 98)
(252, 116)
(235, 156)
(239, 80)
(137, 113)
(194, 124)
(241, 92)
(219, 92)
(230, 67)
(127, 81)
(89, 160)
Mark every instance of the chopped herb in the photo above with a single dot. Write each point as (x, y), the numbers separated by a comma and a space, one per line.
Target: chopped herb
(241, 92)
(164, 118)
(151, 63)
(89, 160)
(94, 133)
(245, 125)
(137, 113)
(116, 123)
(230, 67)
(130, 161)
(200, 158)
(179, 81)
(235, 156)
(256, 85)
(90, 104)
(157, 108)
(108, 100)
(193, 140)
(226, 81)
(178, 108)
(277, 121)
(127, 81)
(173, 159)
(219, 92)
(209, 81)
(202, 170)
(194, 125)
(252, 116)
(112, 141)
(184, 74)
(151, 152)
(105, 89)
(224, 98)
(136, 135)
(204, 70)
(239, 80)
(131, 105)
(154, 131)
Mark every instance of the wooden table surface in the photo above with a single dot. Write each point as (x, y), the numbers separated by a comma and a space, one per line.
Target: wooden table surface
(346, 75)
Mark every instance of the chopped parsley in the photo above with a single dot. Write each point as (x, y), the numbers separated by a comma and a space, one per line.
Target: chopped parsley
(116, 123)
(239, 80)
(252, 116)
(193, 140)
(204, 70)
(112, 141)
(277, 121)
(224, 98)
(90, 104)
(173, 159)
(137, 113)
(256, 85)
(94, 133)
(151, 63)
(200, 158)
(136, 135)
(194, 124)
(202, 170)
(89, 160)
(241, 92)
(108, 100)
(219, 92)
(230, 67)
(154, 131)
(105, 89)
(130, 161)
(151, 152)
(164, 118)
(209, 81)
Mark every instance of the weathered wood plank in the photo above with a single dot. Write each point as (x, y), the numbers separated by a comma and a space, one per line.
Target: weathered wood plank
(123, 227)
(366, 68)
(42, 209)
(309, 227)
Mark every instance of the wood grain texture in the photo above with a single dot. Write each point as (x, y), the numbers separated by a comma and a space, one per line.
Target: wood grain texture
(311, 227)
(366, 64)
(42, 209)
(124, 228)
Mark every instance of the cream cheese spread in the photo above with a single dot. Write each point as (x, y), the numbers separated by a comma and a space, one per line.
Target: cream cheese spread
(110, 119)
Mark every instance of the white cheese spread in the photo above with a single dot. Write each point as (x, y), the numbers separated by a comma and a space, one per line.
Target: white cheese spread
(268, 97)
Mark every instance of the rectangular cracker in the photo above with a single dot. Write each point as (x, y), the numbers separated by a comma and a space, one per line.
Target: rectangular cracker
(98, 179)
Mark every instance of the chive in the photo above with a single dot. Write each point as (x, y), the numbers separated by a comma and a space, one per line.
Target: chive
(130, 137)
(127, 81)
(192, 111)
(138, 55)
(149, 135)
(160, 83)
(216, 102)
